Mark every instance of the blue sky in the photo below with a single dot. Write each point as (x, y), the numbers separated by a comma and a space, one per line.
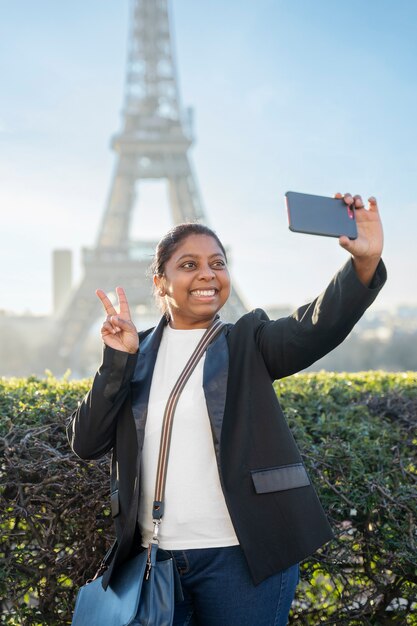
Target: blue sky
(287, 94)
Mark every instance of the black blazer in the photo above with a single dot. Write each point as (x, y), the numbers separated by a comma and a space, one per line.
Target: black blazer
(274, 509)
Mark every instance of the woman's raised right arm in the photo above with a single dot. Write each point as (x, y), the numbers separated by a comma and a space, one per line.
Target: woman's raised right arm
(92, 428)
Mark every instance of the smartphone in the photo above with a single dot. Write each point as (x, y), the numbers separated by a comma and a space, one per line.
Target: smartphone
(320, 215)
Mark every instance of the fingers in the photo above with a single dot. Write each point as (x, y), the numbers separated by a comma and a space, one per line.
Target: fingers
(372, 204)
(111, 325)
(115, 324)
(110, 310)
(349, 199)
(345, 243)
(123, 304)
(108, 328)
(357, 201)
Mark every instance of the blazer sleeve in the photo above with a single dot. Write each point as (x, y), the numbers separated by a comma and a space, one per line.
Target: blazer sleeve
(92, 427)
(291, 344)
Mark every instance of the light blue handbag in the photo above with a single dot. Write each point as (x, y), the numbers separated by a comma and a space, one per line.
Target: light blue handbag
(141, 593)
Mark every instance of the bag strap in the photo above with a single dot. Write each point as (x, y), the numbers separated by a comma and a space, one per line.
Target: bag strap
(157, 510)
(158, 506)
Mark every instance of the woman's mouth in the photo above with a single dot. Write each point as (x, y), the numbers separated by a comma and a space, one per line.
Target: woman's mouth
(203, 293)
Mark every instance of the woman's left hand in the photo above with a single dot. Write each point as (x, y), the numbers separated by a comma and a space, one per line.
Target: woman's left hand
(366, 250)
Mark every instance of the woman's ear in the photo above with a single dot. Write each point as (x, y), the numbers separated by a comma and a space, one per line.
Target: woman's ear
(158, 281)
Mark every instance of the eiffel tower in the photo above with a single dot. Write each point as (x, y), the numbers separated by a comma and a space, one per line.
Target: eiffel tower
(153, 144)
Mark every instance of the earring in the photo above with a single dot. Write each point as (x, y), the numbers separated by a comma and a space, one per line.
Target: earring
(161, 292)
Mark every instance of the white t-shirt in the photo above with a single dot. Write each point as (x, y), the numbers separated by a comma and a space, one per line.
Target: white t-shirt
(195, 513)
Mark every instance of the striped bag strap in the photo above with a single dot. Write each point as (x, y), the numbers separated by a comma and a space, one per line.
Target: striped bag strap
(161, 474)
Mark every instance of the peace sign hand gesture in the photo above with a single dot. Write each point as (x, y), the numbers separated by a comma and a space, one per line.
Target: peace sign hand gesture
(118, 330)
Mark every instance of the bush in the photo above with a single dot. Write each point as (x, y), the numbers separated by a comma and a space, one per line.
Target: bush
(357, 434)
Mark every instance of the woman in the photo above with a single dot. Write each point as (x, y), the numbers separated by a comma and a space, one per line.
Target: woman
(240, 509)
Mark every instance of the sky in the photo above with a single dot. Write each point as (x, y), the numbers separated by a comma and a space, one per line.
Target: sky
(316, 97)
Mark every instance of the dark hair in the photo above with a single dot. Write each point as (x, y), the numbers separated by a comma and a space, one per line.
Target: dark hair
(169, 244)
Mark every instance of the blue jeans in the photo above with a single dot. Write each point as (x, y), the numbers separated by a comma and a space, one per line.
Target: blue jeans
(218, 590)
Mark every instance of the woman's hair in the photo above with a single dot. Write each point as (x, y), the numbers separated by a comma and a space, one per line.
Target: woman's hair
(169, 244)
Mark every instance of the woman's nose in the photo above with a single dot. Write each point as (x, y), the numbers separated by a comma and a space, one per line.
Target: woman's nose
(206, 273)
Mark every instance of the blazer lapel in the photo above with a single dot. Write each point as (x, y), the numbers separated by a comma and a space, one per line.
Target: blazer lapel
(142, 378)
(216, 368)
(215, 377)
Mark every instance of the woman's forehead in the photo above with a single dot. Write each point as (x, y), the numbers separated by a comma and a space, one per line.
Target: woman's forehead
(198, 245)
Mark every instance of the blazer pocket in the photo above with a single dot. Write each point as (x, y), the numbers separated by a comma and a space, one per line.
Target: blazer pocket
(114, 502)
(280, 478)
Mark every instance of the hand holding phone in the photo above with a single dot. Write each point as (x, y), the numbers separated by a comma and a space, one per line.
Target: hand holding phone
(320, 215)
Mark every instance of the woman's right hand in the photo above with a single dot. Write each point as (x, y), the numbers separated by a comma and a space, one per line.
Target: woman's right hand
(118, 330)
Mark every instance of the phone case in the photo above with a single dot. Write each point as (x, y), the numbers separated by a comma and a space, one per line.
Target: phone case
(320, 215)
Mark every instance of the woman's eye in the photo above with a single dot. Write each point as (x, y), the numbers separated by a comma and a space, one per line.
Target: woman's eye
(190, 265)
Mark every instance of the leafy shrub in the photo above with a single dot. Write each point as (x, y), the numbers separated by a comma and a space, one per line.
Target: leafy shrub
(358, 437)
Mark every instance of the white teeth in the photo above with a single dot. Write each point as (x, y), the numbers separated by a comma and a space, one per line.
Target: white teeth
(205, 292)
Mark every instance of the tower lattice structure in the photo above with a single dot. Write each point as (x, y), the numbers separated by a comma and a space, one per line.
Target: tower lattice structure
(153, 144)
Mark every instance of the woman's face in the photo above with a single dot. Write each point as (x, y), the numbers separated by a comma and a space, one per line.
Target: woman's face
(196, 282)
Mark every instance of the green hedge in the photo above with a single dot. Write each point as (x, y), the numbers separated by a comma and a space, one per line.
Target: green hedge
(358, 437)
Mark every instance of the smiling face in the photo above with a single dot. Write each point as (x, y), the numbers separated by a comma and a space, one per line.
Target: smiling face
(195, 282)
